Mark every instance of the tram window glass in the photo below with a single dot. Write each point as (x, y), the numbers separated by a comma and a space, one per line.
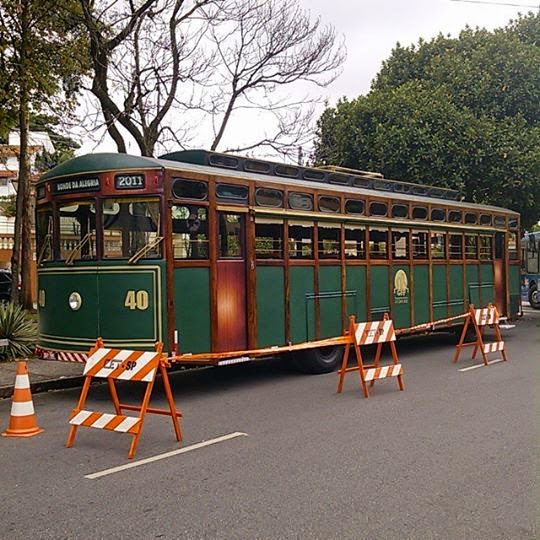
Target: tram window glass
(219, 160)
(455, 246)
(44, 235)
(257, 166)
(400, 244)
(499, 221)
(420, 244)
(513, 252)
(300, 240)
(486, 249)
(471, 246)
(438, 214)
(272, 198)
(232, 192)
(455, 216)
(485, 219)
(354, 206)
(329, 204)
(300, 201)
(268, 238)
(471, 218)
(531, 257)
(512, 223)
(189, 189)
(230, 236)
(329, 238)
(438, 246)
(129, 226)
(287, 170)
(499, 245)
(355, 242)
(378, 209)
(77, 227)
(419, 212)
(378, 244)
(189, 232)
(400, 211)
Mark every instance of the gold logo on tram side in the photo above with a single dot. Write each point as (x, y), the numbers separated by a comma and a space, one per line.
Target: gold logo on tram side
(401, 288)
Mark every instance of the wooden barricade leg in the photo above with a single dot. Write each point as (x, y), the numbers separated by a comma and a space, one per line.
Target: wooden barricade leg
(360, 363)
(80, 406)
(461, 341)
(346, 353)
(114, 396)
(144, 406)
(170, 400)
(396, 361)
(499, 338)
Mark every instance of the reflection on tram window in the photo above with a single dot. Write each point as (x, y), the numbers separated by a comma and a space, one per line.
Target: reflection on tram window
(471, 246)
(400, 244)
(329, 238)
(438, 246)
(130, 227)
(77, 228)
(355, 242)
(189, 232)
(230, 241)
(486, 248)
(420, 244)
(378, 244)
(268, 238)
(300, 240)
(44, 235)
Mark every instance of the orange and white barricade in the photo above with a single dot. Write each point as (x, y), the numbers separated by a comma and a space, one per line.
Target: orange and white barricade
(125, 365)
(480, 319)
(368, 333)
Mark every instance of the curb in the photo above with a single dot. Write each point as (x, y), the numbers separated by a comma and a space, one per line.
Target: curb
(45, 386)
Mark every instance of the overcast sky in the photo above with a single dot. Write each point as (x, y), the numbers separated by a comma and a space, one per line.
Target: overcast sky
(371, 28)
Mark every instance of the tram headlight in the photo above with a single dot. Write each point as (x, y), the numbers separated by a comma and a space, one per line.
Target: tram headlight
(75, 301)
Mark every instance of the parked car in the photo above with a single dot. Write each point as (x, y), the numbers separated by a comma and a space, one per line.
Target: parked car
(5, 285)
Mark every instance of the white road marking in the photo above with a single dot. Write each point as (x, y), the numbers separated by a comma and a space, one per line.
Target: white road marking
(482, 365)
(166, 455)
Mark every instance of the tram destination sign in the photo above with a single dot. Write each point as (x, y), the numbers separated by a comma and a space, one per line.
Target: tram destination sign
(76, 184)
(129, 181)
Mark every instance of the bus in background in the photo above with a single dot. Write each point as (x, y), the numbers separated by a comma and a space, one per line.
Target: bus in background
(530, 265)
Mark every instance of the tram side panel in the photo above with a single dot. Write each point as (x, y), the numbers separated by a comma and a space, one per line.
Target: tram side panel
(330, 298)
(270, 306)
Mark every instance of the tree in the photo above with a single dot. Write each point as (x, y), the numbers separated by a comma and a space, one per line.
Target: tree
(157, 62)
(462, 113)
(40, 47)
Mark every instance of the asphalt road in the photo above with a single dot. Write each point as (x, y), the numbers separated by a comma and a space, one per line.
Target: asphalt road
(453, 456)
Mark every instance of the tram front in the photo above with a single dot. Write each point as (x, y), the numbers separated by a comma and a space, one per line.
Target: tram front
(101, 270)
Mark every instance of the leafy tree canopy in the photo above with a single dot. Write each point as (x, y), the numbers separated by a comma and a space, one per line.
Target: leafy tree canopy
(461, 113)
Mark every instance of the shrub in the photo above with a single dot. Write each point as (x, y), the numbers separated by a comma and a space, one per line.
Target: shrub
(19, 329)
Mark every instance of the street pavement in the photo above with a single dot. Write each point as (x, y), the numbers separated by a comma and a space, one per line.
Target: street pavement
(453, 456)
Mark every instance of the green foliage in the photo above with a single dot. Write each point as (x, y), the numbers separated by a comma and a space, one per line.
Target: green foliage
(7, 206)
(461, 113)
(20, 329)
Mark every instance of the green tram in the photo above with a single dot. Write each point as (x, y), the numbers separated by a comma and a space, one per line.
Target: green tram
(212, 252)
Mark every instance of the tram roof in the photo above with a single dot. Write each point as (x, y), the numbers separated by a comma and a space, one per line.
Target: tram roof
(107, 162)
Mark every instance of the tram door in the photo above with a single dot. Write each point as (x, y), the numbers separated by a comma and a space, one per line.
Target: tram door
(231, 327)
(499, 282)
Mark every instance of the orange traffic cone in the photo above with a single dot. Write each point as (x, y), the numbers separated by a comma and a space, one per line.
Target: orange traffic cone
(22, 422)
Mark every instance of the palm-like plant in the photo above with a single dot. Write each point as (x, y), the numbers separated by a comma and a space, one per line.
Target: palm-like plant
(19, 329)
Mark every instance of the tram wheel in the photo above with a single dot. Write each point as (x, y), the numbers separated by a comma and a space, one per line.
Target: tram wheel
(316, 361)
(534, 297)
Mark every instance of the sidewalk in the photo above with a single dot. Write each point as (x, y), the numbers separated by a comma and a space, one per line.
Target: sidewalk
(44, 375)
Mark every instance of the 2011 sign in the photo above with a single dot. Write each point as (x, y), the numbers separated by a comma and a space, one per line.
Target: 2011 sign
(129, 181)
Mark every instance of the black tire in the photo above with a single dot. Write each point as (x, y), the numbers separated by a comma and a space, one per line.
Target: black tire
(534, 297)
(316, 361)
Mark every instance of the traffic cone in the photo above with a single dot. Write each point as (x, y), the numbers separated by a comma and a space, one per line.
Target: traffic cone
(22, 422)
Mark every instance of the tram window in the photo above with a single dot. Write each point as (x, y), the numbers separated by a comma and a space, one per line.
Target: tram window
(420, 244)
(44, 235)
(131, 226)
(268, 238)
(378, 209)
(400, 244)
(300, 201)
(189, 189)
(455, 216)
(355, 242)
(232, 192)
(287, 170)
(77, 228)
(189, 232)
(471, 246)
(257, 166)
(438, 214)
(354, 206)
(230, 236)
(455, 246)
(512, 223)
(272, 198)
(485, 219)
(378, 244)
(329, 237)
(310, 174)
(486, 249)
(499, 245)
(219, 160)
(400, 211)
(300, 240)
(329, 204)
(513, 252)
(500, 221)
(438, 246)
(471, 218)
(419, 212)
